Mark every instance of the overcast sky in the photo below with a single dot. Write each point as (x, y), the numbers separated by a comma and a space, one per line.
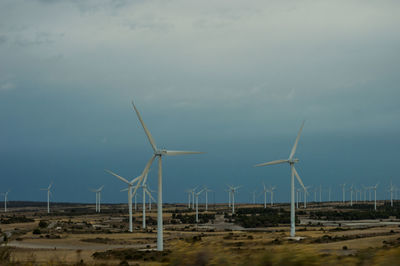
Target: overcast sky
(234, 79)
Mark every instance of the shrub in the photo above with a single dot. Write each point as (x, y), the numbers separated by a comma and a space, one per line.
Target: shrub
(43, 224)
(36, 231)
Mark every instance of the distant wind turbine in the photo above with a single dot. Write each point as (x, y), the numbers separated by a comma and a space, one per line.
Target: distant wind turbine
(374, 188)
(197, 204)
(291, 160)
(343, 191)
(98, 197)
(132, 185)
(5, 200)
(232, 191)
(48, 196)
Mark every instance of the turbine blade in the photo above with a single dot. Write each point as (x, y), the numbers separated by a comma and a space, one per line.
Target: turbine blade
(145, 171)
(151, 140)
(149, 194)
(141, 177)
(117, 176)
(100, 188)
(295, 143)
(182, 152)
(272, 163)
(298, 178)
(125, 189)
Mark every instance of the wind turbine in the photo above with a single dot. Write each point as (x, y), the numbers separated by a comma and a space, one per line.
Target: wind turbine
(351, 195)
(291, 160)
(343, 191)
(232, 191)
(305, 195)
(159, 153)
(391, 189)
(197, 204)
(130, 184)
(189, 192)
(329, 194)
(271, 190)
(206, 190)
(193, 191)
(5, 200)
(98, 197)
(265, 190)
(145, 191)
(320, 193)
(48, 196)
(374, 188)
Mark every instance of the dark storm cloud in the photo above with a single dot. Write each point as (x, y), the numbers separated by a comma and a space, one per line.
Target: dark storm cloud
(232, 78)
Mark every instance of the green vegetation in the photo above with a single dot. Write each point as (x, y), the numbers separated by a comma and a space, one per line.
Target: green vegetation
(260, 217)
(191, 218)
(15, 219)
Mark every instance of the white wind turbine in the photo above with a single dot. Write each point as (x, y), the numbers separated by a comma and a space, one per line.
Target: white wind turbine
(206, 190)
(48, 196)
(197, 204)
(343, 191)
(351, 195)
(5, 200)
(305, 196)
(297, 197)
(291, 160)
(192, 192)
(98, 197)
(189, 192)
(232, 191)
(159, 153)
(391, 190)
(271, 190)
(131, 185)
(145, 191)
(265, 190)
(374, 188)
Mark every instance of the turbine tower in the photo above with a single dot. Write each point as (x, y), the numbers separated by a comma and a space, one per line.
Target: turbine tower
(343, 191)
(351, 195)
(391, 190)
(305, 196)
(189, 192)
(271, 190)
(206, 190)
(265, 190)
(197, 204)
(291, 160)
(145, 191)
(48, 196)
(98, 197)
(232, 191)
(159, 153)
(374, 188)
(5, 200)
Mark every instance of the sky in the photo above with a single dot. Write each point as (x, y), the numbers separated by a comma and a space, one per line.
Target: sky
(234, 79)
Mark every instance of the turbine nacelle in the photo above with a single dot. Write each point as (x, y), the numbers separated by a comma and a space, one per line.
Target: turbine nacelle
(293, 161)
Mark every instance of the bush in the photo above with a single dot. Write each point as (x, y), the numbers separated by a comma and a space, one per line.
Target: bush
(43, 224)
(36, 231)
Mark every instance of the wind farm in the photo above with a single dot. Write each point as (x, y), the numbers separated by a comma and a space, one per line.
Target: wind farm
(105, 231)
(199, 133)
